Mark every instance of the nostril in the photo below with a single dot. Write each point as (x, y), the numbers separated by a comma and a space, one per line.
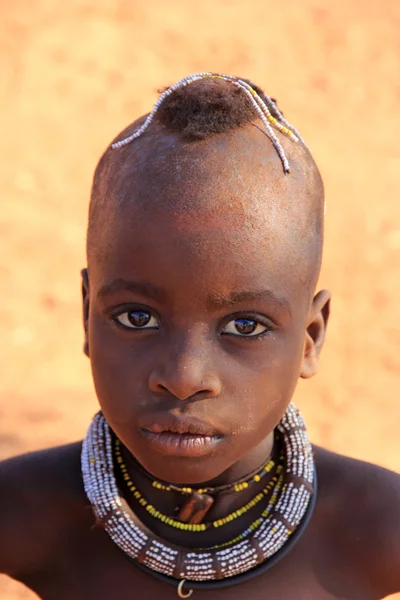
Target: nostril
(184, 386)
(199, 395)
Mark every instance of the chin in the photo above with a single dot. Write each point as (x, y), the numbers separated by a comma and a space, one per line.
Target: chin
(182, 470)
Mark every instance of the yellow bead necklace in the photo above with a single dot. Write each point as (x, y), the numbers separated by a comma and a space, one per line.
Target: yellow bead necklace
(275, 481)
(253, 477)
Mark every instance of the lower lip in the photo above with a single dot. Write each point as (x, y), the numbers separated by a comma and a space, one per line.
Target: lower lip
(181, 444)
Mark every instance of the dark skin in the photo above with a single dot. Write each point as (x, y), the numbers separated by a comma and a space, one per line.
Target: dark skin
(217, 323)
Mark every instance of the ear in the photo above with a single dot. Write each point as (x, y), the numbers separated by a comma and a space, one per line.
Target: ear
(85, 300)
(315, 335)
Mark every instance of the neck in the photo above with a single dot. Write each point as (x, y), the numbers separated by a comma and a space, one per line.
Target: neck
(170, 502)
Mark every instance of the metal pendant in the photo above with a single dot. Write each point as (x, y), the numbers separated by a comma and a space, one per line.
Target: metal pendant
(181, 593)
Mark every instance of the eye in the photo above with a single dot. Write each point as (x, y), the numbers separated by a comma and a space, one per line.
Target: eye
(245, 327)
(137, 319)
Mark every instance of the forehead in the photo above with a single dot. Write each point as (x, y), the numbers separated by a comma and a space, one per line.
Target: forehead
(237, 176)
(192, 257)
(204, 268)
(241, 165)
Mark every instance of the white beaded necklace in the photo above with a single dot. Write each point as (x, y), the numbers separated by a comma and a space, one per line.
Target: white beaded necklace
(209, 564)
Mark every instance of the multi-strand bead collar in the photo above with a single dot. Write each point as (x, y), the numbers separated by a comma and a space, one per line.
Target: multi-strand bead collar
(237, 486)
(283, 513)
(191, 515)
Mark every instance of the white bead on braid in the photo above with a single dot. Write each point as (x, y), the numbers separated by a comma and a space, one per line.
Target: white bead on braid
(179, 84)
(264, 107)
(269, 107)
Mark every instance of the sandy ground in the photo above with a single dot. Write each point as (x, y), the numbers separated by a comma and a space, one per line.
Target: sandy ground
(74, 73)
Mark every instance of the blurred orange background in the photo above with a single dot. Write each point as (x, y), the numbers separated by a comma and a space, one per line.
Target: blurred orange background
(75, 73)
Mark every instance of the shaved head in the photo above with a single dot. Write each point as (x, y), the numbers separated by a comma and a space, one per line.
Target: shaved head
(236, 174)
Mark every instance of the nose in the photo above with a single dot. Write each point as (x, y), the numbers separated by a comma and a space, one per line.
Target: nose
(186, 370)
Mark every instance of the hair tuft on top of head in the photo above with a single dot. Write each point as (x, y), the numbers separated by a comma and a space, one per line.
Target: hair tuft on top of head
(206, 107)
(206, 103)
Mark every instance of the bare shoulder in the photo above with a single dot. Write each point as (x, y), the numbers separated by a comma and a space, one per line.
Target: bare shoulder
(360, 502)
(42, 506)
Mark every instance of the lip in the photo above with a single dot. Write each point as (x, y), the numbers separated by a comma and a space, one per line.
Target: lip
(181, 436)
(181, 444)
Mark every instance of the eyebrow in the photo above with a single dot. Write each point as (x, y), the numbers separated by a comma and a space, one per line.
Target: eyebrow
(248, 296)
(152, 292)
(147, 290)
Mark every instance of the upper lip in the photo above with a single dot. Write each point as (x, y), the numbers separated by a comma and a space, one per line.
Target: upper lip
(181, 425)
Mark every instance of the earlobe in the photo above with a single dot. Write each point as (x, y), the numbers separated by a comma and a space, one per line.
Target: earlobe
(85, 306)
(315, 334)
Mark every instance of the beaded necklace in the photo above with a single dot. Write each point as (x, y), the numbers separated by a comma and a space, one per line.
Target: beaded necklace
(197, 527)
(288, 512)
(238, 486)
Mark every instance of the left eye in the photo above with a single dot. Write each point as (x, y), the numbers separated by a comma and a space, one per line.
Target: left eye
(244, 327)
(137, 319)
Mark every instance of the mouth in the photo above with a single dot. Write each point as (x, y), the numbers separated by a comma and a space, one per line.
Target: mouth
(182, 437)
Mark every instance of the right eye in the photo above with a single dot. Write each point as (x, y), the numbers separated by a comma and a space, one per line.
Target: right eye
(137, 319)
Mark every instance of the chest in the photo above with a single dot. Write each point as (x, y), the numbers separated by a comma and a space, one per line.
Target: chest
(95, 568)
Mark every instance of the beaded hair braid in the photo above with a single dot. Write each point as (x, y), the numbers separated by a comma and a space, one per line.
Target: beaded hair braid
(264, 106)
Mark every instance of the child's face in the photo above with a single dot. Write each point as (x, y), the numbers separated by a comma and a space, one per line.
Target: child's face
(198, 321)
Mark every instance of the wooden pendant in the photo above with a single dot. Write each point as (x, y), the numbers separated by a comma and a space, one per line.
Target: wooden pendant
(195, 508)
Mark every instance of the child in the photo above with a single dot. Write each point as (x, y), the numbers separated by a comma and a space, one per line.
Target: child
(204, 247)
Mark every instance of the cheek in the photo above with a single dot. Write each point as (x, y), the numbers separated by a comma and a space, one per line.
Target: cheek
(271, 363)
(118, 371)
(261, 382)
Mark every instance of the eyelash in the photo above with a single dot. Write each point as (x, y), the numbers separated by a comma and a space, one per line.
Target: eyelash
(230, 318)
(122, 310)
(263, 321)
